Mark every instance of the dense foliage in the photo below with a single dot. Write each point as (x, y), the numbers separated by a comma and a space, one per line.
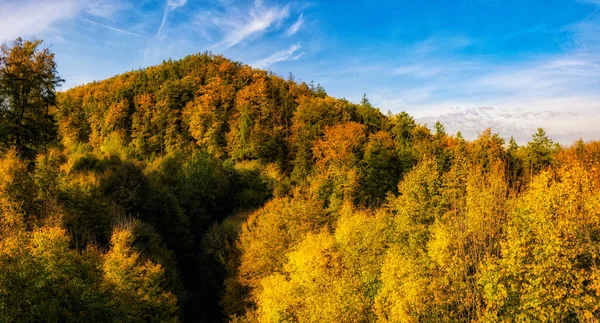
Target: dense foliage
(205, 190)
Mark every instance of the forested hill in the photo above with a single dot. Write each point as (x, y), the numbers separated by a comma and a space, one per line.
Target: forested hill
(211, 103)
(205, 190)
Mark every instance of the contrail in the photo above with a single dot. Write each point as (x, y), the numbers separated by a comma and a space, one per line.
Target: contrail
(171, 5)
(113, 28)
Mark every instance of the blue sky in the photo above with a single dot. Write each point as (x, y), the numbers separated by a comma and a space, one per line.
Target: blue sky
(512, 65)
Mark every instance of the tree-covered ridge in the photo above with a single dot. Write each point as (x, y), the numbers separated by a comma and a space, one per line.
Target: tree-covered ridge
(205, 190)
(205, 101)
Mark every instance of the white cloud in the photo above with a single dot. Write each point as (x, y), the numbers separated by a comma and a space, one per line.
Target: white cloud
(30, 18)
(296, 26)
(436, 44)
(240, 24)
(519, 117)
(103, 8)
(585, 35)
(553, 92)
(280, 56)
(559, 75)
(174, 4)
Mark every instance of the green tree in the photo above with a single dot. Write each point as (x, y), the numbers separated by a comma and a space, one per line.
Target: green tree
(539, 152)
(370, 116)
(28, 81)
(380, 168)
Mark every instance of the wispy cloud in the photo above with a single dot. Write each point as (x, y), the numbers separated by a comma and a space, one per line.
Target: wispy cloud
(468, 94)
(585, 34)
(555, 92)
(435, 79)
(296, 26)
(439, 68)
(113, 28)
(240, 24)
(595, 2)
(436, 44)
(280, 56)
(569, 73)
(32, 18)
(520, 117)
(170, 6)
(174, 4)
(533, 30)
(29, 18)
(103, 8)
(417, 70)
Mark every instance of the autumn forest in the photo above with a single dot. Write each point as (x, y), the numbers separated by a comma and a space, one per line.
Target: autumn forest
(203, 190)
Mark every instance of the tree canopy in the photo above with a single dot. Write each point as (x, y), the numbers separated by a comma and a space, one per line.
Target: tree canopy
(204, 190)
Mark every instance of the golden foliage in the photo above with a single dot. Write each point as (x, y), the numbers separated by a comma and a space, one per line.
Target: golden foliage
(548, 266)
(136, 282)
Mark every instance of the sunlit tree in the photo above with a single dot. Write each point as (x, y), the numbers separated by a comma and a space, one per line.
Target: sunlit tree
(28, 82)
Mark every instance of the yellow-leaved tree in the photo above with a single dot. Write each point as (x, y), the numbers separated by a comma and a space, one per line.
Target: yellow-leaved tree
(404, 294)
(136, 283)
(42, 279)
(549, 266)
(329, 277)
(266, 237)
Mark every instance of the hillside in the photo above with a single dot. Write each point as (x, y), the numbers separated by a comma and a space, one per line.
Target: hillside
(205, 190)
